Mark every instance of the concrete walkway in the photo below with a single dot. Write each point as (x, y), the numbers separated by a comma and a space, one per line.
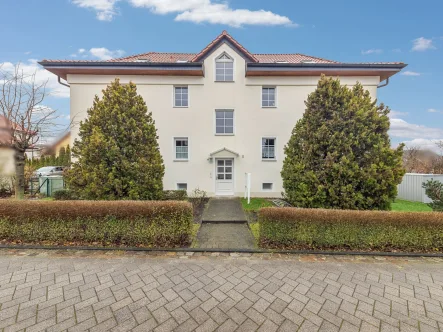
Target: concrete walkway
(96, 291)
(224, 210)
(224, 226)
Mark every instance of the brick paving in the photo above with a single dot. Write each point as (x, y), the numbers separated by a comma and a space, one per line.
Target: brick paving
(122, 291)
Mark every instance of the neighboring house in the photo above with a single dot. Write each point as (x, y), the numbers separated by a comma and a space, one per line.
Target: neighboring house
(221, 112)
(61, 142)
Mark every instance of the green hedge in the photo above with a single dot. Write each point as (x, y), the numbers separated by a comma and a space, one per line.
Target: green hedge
(116, 223)
(294, 228)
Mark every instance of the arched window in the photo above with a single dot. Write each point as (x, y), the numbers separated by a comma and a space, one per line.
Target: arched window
(224, 68)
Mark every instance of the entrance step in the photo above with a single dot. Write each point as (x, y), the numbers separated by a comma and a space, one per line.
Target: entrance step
(224, 210)
(225, 236)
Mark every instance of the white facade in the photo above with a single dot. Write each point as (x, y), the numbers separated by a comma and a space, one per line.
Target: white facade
(241, 150)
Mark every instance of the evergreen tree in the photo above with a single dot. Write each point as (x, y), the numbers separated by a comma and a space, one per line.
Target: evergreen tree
(339, 154)
(68, 156)
(117, 155)
(62, 156)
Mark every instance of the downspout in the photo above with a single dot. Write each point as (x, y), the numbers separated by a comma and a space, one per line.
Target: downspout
(378, 86)
(60, 82)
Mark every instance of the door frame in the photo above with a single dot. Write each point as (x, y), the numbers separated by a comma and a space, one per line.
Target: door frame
(233, 176)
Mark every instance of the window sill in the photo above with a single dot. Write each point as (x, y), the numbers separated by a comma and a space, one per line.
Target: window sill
(224, 135)
(266, 160)
(180, 106)
(269, 107)
(180, 160)
(224, 81)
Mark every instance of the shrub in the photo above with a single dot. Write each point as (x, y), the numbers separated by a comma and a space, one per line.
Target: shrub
(339, 154)
(125, 223)
(174, 195)
(434, 190)
(198, 197)
(118, 156)
(64, 195)
(294, 228)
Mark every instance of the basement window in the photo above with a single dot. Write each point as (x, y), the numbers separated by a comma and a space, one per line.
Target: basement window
(182, 186)
(267, 186)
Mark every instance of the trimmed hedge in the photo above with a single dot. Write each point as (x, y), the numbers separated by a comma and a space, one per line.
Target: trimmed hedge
(294, 228)
(174, 195)
(116, 223)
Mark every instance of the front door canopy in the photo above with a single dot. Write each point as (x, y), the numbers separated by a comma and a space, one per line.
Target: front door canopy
(223, 153)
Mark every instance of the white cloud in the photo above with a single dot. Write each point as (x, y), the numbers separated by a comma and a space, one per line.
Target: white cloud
(103, 53)
(396, 114)
(73, 55)
(222, 14)
(433, 110)
(410, 73)
(41, 75)
(196, 11)
(81, 50)
(28, 52)
(424, 144)
(372, 51)
(422, 44)
(401, 128)
(105, 9)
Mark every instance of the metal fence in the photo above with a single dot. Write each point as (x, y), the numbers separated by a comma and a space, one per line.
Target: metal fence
(47, 185)
(411, 186)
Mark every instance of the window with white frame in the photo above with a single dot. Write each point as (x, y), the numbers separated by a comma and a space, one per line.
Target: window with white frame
(181, 96)
(181, 148)
(224, 68)
(182, 186)
(224, 122)
(268, 97)
(268, 148)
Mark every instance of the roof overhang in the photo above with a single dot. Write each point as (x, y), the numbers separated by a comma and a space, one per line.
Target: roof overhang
(330, 69)
(62, 69)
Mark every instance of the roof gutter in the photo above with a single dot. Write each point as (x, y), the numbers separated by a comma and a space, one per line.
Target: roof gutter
(313, 66)
(107, 64)
(384, 84)
(60, 82)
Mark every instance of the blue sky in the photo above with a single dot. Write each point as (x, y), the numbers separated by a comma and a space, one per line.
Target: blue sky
(342, 30)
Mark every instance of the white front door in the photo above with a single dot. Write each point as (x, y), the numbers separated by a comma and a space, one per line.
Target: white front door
(224, 176)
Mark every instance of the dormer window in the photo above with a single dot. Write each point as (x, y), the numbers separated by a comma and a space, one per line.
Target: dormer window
(308, 61)
(224, 68)
(142, 60)
(182, 61)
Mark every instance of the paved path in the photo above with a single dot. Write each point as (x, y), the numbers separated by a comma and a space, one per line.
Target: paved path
(224, 210)
(84, 290)
(225, 235)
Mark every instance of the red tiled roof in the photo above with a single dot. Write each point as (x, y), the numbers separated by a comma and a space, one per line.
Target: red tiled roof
(195, 57)
(226, 35)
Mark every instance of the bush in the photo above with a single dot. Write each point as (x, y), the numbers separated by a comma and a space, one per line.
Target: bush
(198, 197)
(339, 154)
(118, 223)
(64, 195)
(174, 195)
(434, 190)
(294, 228)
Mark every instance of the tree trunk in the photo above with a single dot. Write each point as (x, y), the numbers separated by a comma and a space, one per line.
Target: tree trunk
(19, 174)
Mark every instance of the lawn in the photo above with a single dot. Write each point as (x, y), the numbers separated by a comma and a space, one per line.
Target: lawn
(408, 206)
(255, 204)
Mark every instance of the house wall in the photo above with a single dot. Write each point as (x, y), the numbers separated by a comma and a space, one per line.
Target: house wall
(197, 122)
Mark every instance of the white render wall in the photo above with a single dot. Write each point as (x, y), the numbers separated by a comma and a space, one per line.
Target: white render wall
(197, 122)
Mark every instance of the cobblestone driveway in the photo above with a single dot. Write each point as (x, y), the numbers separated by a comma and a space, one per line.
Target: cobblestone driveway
(78, 291)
